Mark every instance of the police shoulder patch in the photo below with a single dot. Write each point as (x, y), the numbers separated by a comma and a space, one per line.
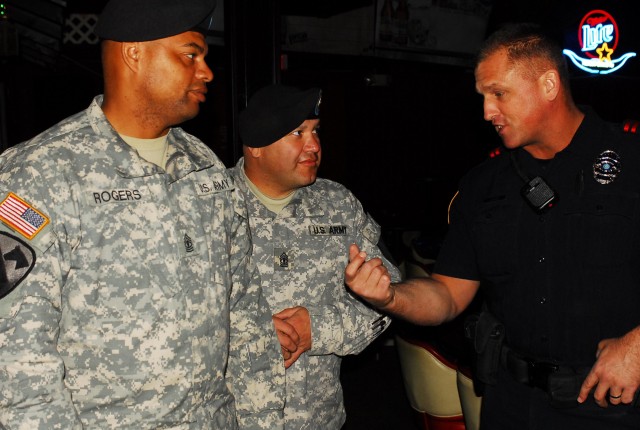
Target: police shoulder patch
(16, 261)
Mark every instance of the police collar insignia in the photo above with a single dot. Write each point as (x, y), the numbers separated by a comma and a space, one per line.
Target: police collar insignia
(21, 217)
(607, 167)
(16, 261)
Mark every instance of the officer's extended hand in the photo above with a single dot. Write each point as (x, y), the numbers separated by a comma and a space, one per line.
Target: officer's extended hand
(298, 318)
(368, 279)
(616, 372)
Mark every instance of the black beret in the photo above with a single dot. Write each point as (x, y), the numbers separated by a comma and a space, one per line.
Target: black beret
(143, 20)
(275, 111)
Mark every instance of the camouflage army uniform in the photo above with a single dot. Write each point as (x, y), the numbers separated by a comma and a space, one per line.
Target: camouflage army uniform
(301, 254)
(127, 316)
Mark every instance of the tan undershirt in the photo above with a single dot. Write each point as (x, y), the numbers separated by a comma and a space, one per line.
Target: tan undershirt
(152, 150)
(274, 205)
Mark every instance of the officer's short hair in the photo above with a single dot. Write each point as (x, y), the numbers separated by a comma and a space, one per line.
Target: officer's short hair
(527, 42)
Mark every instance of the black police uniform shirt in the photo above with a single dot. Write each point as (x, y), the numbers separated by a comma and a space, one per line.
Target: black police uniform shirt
(561, 280)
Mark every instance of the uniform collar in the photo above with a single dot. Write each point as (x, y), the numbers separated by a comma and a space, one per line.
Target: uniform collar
(185, 153)
(591, 130)
(305, 203)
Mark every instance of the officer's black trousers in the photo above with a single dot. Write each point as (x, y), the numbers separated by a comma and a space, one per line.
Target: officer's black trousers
(510, 405)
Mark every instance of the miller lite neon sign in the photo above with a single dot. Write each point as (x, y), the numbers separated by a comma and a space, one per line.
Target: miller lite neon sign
(598, 37)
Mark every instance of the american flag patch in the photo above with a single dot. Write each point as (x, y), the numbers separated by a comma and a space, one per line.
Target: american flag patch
(19, 215)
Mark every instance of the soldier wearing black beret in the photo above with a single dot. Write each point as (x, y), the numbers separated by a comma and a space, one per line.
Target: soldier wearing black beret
(302, 227)
(153, 54)
(127, 298)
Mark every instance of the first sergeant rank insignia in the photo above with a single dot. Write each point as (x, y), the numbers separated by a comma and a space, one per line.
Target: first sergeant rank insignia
(282, 259)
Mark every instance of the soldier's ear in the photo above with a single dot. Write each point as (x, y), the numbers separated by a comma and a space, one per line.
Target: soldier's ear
(131, 54)
(254, 152)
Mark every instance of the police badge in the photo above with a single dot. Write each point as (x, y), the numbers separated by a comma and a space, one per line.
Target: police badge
(16, 261)
(607, 167)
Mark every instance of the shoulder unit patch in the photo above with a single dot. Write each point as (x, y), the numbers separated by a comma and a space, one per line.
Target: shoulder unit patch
(16, 261)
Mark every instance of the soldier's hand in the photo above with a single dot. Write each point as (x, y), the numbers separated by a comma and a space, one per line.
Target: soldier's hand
(298, 317)
(287, 336)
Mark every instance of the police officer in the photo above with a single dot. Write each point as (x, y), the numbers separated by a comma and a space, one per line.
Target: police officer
(550, 230)
(127, 299)
(302, 227)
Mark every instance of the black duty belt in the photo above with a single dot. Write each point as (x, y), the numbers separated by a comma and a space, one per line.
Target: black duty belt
(561, 382)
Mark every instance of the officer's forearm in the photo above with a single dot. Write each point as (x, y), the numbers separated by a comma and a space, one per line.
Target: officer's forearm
(420, 301)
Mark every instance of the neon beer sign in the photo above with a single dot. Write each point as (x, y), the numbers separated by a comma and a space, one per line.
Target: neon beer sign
(598, 36)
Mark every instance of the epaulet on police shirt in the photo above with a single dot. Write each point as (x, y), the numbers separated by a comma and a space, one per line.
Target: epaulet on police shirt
(631, 126)
(495, 152)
